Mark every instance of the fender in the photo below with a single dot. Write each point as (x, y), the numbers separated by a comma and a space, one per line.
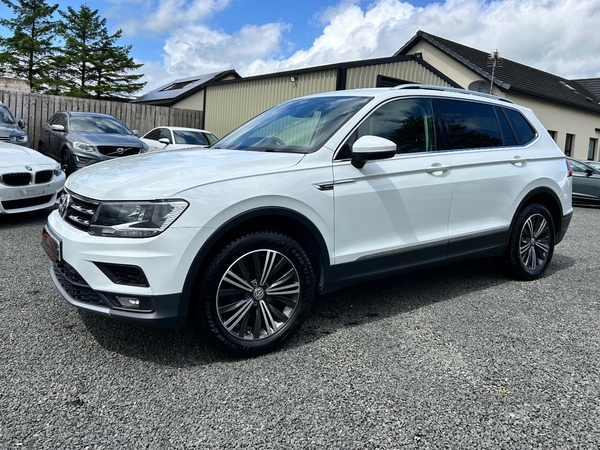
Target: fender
(236, 221)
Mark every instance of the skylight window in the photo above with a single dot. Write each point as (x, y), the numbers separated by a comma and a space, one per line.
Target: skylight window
(568, 86)
(180, 85)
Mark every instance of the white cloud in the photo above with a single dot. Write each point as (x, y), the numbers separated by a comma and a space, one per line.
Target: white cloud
(558, 36)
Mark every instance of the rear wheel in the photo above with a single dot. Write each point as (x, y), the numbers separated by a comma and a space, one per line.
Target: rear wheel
(531, 244)
(255, 294)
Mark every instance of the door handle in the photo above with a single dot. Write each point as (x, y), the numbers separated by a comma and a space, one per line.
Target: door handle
(518, 161)
(437, 169)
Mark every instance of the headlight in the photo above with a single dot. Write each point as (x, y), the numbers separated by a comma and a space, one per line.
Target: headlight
(144, 147)
(18, 138)
(84, 147)
(135, 219)
(57, 170)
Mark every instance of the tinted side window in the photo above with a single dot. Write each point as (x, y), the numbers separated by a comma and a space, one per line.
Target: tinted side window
(154, 135)
(60, 119)
(523, 130)
(407, 122)
(507, 134)
(470, 125)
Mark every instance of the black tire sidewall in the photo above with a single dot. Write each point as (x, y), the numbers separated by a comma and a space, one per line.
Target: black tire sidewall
(205, 311)
(514, 261)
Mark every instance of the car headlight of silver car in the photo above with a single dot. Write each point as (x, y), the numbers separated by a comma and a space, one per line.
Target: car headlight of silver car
(135, 219)
(145, 148)
(18, 138)
(84, 147)
(57, 170)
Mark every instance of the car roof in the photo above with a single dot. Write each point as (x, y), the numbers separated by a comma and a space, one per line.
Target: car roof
(86, 114)
(184, 129)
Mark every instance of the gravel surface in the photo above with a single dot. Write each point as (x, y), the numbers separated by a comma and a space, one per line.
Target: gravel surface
(456, 357)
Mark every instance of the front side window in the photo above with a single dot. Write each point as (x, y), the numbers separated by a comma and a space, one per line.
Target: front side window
(578, 167)
(470, 125)
(407, 122)
(301, 125)
(190, 137)
(153, 135)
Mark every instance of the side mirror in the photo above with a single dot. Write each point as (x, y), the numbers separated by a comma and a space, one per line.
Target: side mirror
(57, 127)
(589, 172)
(136, 132)
(369, 148)
(21, 123)
(165, 141)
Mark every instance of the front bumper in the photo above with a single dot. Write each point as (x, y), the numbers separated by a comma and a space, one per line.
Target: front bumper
(79, 294)
(162, 264)
(18, 199)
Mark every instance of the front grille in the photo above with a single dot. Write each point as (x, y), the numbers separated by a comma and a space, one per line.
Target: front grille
(17, 179)
(118, 151)
(4, 138)
(122, 274)
(26, 202)
(79, 211)
(75, 285)
(43, 176)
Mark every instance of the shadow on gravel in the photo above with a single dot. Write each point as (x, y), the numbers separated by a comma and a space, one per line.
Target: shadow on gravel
(348, 307)
(24, 219)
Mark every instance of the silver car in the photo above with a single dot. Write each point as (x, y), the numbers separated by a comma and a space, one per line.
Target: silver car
(77, 139)
(11, 130)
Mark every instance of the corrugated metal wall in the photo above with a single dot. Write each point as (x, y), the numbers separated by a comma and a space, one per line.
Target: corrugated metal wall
(366, 76)
(230, 105)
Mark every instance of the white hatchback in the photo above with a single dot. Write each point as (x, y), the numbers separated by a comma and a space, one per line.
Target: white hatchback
(318, 193)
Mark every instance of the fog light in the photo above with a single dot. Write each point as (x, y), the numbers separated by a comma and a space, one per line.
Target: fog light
(128, 302)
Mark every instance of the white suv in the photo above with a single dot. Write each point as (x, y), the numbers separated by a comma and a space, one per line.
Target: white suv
(315, 194)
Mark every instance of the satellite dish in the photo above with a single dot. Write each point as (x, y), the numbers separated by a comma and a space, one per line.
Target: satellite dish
(480, 86)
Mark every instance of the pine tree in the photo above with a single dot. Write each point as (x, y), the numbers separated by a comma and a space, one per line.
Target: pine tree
(26, 54)
(94, 64)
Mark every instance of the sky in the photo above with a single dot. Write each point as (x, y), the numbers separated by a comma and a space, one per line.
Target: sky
(181, 38)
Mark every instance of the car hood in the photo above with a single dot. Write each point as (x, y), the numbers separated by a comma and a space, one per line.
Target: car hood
(7, 130)
(166, 174)
(128, 140)
(18, 156)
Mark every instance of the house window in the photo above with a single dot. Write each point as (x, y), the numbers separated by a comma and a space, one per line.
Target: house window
(552, 134)
(592, 149)
(569, 140)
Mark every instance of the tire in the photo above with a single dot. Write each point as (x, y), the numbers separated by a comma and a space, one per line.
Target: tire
(66, 162)
(531, 243)
(242, 306)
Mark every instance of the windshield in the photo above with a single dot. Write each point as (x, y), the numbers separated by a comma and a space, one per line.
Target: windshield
(193, 137)
(5, 116)
(95, 124)
(302, 125)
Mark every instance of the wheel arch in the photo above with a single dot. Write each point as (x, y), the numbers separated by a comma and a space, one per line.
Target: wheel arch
(278, 219)
(549, 199)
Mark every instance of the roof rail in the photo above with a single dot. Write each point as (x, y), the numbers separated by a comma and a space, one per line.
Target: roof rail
(434, 87)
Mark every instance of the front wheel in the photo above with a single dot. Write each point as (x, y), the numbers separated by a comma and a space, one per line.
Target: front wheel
(531, 244)
(66, 162)
(255, 294)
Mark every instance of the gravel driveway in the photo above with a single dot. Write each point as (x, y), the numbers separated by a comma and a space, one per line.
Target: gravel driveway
(457, 357)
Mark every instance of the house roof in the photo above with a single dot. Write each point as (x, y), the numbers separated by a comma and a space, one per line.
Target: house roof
(513, 76)
(591, 84)
(175, 91)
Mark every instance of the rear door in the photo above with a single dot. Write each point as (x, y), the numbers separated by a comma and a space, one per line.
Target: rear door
(490, 174)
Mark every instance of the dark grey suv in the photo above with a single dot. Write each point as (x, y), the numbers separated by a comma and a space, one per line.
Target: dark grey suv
(11, 130)
(77, 139)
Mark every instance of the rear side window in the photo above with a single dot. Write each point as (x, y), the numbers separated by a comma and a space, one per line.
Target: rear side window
(523, 130)
(470, 125)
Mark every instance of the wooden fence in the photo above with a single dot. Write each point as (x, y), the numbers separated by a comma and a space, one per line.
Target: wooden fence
(36, 109)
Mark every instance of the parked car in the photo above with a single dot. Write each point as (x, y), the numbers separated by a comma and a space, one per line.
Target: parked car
(11, 130)
(173, 138)
(586, 182)
(315, 194)
(77, 139)
(28, 180)
(594, 164)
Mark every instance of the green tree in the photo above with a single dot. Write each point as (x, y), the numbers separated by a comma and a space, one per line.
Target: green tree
(26, 54)
(93, 62)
